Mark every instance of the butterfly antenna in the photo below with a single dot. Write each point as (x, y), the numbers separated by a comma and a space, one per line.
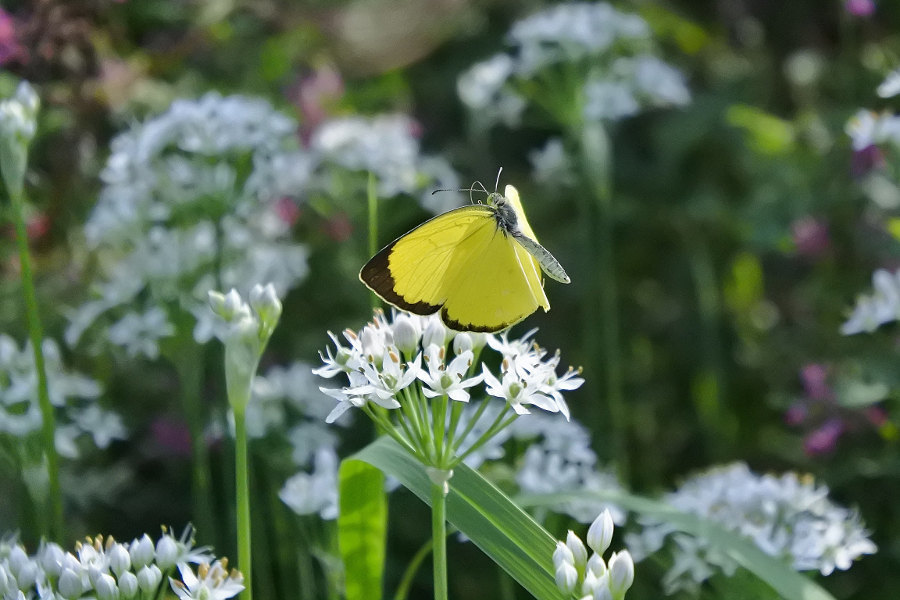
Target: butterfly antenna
(469, 189)
(497, 182)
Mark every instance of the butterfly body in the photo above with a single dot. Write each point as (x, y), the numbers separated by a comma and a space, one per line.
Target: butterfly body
(479, 265)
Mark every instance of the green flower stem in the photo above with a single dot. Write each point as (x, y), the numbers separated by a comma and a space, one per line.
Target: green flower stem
(242, 487)
(456, 410)
(372, 201)
(54, 526)
(411, 569)
(718, 421)
(470, 425)
(498, 425)
(599, 220)
(439, 540)
(189, 365)
(439, 413)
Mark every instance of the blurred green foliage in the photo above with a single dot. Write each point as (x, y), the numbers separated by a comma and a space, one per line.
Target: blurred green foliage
(724, 297)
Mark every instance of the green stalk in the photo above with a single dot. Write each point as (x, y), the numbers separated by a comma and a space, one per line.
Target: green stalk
(411, 569)
(188, 364)
(439, 540)
(242, 487)
(599, 221)
(54, 525)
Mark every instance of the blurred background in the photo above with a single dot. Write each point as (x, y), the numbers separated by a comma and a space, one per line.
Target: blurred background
(718, 221)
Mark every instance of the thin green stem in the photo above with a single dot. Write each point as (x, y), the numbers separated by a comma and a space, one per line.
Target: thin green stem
(242, 489)
(372, 199)
(189, 365)
(411, 569)
(439, 540)
(54, 526)
(470, 425)
(599, 222)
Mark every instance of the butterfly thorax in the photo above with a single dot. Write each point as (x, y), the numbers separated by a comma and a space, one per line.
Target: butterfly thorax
(504, 213)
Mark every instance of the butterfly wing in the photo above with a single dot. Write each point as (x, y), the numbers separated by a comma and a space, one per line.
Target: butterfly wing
(495, 283)
(525, 236)
(412, 272)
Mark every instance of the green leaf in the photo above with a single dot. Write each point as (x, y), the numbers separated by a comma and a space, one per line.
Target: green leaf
(785, 581)
(503, 531)
(362, 529)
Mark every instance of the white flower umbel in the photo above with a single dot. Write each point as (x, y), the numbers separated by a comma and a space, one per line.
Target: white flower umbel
(192, 199)
(73, 395)
(559, 459)
(878, 308)
(103, 568)
(415, 377)
(789, 517)
(18, 124)
(575, 54)
(589, 576)
(250, 325)
(386, 147)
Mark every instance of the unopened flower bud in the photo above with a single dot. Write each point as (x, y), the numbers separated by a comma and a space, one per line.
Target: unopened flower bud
(128, 585)
(562, 555)
(51, 559)
(406, 335)
(106, 587)
(461, 343)
(577, 547)
(621, 572)
(119, 559)
(596, 565)
(434, 334)
(166, 552)
(70, 585)
(600, 533)
(149, 578)
(566, 578)
(142, 552)
(265, 302)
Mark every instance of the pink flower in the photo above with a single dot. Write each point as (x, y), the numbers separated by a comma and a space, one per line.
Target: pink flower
(864, 160)
(824, 439)
(315, 96)
(287, 210)
(811, 237)
(860, 8)
(172, 435)
(814, 377)
(795, 414)
(10, 49)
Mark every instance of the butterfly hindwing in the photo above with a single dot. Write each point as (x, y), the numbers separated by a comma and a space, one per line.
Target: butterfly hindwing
(495, 286)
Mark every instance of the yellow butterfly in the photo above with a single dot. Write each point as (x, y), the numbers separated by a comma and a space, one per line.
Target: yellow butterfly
(479, 265)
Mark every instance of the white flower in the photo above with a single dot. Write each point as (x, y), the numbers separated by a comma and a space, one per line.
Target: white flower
(890, 87)
(383, 146)
(210, 583)
(315, 492)
(189, 203)
(449, 380)
(518, 392)
(551, 165)
(882, 306)
(788, 517)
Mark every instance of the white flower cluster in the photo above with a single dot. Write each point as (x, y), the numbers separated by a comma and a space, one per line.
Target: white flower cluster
(385, 358)
(290, 395)
(109, 570)
(386, 147)
(591, 577)
(73, 395)
(882, 306)
(789, 517)
(18, 115)
(563, 461)
(191, 202)
(869, 128)
(620, 74)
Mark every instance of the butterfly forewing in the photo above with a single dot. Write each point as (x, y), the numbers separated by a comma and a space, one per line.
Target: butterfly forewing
(411, 272)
